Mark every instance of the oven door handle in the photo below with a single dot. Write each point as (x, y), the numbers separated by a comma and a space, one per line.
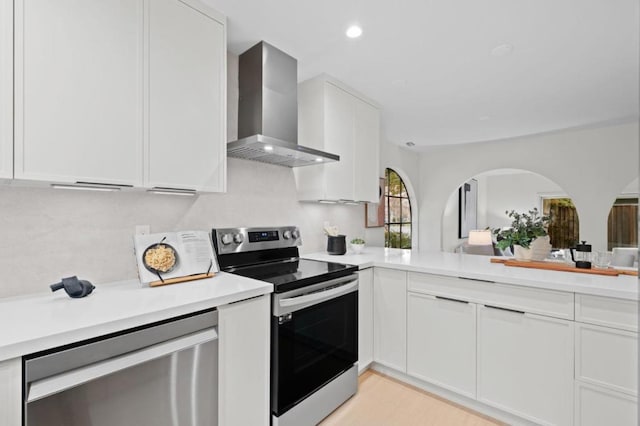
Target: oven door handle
(63, 381)
(320, 296)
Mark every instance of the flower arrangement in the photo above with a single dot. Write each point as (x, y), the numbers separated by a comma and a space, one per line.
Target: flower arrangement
(525, 228)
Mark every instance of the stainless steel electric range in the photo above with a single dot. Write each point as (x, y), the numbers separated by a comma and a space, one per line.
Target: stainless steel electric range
(314, 320)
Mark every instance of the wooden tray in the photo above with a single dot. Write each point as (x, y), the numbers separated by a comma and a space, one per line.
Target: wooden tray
(181, 279)
(553, 266)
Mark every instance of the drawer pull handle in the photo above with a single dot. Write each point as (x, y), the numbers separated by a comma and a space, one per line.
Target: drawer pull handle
(452, 300)
(476, 279)
(504, 309)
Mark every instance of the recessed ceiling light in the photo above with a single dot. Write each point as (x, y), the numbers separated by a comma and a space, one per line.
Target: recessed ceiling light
(410, 144)
(268, 148)
(354, 31)
(502, 50)
(319, 160)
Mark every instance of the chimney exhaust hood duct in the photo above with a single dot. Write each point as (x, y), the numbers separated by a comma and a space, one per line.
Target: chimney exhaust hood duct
(268, 111)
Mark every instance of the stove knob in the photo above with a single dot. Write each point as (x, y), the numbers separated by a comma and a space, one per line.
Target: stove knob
(226, 239)
(238, 238)
(295, 234)
(286, 234)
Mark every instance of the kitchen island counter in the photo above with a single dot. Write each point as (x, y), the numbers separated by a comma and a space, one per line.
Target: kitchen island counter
(480, 268)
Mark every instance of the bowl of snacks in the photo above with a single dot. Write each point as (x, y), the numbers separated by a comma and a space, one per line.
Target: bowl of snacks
(160, 258)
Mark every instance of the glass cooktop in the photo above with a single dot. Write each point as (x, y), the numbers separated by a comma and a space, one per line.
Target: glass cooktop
(295, 273)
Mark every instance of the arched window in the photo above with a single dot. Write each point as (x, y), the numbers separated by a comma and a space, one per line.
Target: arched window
(397, 212)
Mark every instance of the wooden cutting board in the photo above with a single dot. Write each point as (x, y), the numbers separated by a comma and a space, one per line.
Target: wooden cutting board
(554, 266)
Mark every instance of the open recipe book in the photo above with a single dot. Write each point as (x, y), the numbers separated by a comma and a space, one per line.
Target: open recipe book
(170, 255)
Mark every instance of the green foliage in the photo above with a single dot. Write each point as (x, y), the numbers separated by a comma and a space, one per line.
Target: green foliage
(397, 240)
(525, 228)
(394, 183)
(357, 241)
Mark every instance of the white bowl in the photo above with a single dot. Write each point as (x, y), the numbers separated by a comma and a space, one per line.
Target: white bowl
(357, 248)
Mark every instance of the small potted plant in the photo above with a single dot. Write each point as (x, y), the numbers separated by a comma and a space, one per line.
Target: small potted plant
(527, 235)
(357, 245)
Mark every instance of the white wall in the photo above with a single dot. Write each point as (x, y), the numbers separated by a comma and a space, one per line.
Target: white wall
(48, 234)
(593, 166)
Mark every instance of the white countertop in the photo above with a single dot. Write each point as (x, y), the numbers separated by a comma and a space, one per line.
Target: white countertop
(479, 267)
(37, 322)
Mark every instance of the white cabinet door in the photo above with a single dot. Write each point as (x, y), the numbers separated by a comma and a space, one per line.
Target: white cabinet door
(339, 134)
(597, 406)
(244, 362)
(78, 90)
(11, 392)
(365, 318)
(334, 118)
(525, 365)
(390, 318)
(607, 357)
(441, 342)
(186, 145)
(6, 89)
(366, 151)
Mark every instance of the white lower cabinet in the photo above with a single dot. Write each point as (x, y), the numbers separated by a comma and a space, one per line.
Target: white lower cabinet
(441, 342)
(365, 318)
(244, 362)
(525, 365)
(11, 392)
(390, 318)
(606, 376)
(598, 406)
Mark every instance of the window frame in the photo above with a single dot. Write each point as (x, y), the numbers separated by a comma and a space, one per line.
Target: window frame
(387, 210)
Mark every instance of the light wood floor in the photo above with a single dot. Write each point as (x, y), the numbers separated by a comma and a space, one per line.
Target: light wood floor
(384, 401)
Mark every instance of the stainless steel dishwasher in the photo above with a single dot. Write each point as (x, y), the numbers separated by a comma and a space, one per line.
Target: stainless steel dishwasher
(162, 374)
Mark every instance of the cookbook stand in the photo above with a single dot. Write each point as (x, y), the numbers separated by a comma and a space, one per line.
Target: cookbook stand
(182, 279)
(174, 257)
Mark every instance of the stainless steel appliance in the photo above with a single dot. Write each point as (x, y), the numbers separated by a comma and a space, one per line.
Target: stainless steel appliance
(164, 374)
(314, 322)
(268, 111)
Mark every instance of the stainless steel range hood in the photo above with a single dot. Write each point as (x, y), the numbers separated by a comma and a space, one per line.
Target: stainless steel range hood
(268, 111)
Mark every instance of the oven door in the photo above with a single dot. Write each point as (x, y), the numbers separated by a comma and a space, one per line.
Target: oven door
(314, 339)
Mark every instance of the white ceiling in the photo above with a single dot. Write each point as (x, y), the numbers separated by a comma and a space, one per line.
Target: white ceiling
(429, 63)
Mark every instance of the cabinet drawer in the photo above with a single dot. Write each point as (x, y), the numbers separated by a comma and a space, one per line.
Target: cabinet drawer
(544, 302)
(595, 406)
(607, 357)
(617, 313)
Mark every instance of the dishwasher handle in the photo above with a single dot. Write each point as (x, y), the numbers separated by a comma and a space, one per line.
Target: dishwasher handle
(51, 385)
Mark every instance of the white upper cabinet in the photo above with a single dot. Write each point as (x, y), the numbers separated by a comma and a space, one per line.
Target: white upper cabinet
(186, 146)
(118, 92)
(335, 119)
(78, 90)
(6, 89)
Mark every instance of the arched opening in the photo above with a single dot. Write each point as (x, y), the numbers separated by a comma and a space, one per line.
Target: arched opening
(501, 190)
(398, 212)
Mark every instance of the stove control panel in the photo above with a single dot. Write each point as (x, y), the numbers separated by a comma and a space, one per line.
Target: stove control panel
(238, 240)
